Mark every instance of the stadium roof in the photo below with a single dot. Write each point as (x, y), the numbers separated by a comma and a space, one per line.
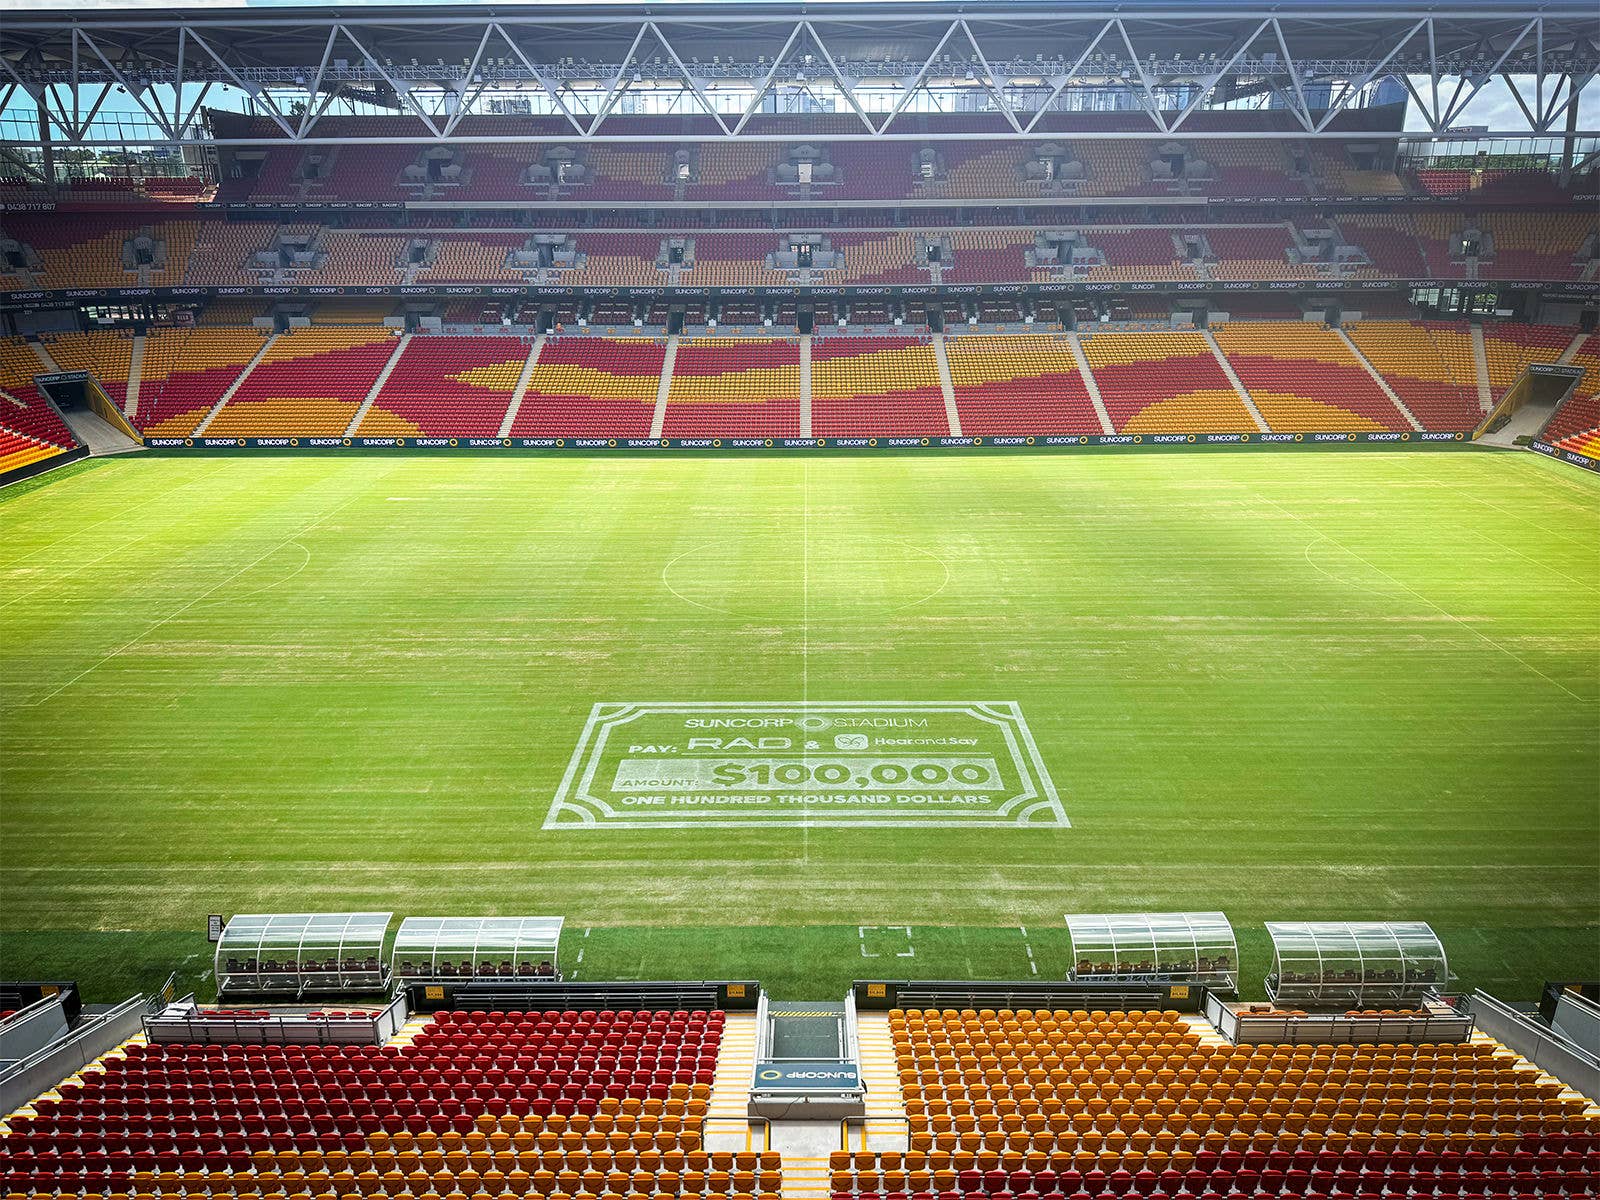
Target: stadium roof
(295, 35)
(437, 62)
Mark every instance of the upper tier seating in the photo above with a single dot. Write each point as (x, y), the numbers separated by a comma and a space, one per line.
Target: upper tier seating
(106, 354)
(617, 260)
(735, 171)
(309, 383)
(1303, 378)
(1088, 1104)
(876, 387)
(446, 385)
(1018, 384)
(1144, 253)
(473, 258)
(1429, 364)
(1164, 382)
(357, 258)
(85, 252)
(1390, 242)
(1255, 252)
(556, 1103)
(1334, 175)
(186, 371)
(1535, 245)
(734, 387)
(592, 387)
(1499, 185)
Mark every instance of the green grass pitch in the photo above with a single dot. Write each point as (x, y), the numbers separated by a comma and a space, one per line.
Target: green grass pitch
(1287, 685)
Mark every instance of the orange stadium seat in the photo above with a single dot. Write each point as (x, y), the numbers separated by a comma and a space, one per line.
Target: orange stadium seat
(876, 387)
(309, 383)
(1080, 1103)
(734, 387)
(592, 387)
(1303, 378)
(1018, 384)
(1164, 382)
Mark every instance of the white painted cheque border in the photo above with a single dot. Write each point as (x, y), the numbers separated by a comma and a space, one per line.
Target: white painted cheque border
(1036, 805)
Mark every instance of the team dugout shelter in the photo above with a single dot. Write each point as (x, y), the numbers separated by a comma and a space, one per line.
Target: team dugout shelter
(1170, 947)
(429, 949)
(1361, 964)
(302, 953)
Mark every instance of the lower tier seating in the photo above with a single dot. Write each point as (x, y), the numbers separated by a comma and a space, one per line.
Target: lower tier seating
(1072, 1104)
(732, 387)
(1302, 377)
(106, 354)
(592, 387)
(1164, 382)
(1430, 366)
(1575, 425)
(445, 385)
(876, 387)
(18, 450)
(1508, 349)
(30, 429)
(186, 371)
(1018, 384)
(309, 383)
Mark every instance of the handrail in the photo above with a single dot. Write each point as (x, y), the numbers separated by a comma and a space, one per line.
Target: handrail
(763, 1040)
(1539, 1044)
(91, 1038)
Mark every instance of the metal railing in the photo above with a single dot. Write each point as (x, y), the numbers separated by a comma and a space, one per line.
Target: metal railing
(1539, 1044)
(187, 1023)
(50, 1064)
(1334, 1029)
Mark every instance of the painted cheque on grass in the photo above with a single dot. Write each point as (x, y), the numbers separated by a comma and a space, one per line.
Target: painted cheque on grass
(666, 765)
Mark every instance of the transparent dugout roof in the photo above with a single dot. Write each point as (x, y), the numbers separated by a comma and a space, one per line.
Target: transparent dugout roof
(424, 943)
(296, 937)
(1196, 946)
(1315, 960)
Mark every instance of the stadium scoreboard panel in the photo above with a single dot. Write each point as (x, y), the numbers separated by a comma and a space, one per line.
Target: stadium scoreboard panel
(681, 765)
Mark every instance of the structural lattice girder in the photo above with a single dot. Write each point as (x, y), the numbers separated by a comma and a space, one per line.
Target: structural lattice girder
(869, 59)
